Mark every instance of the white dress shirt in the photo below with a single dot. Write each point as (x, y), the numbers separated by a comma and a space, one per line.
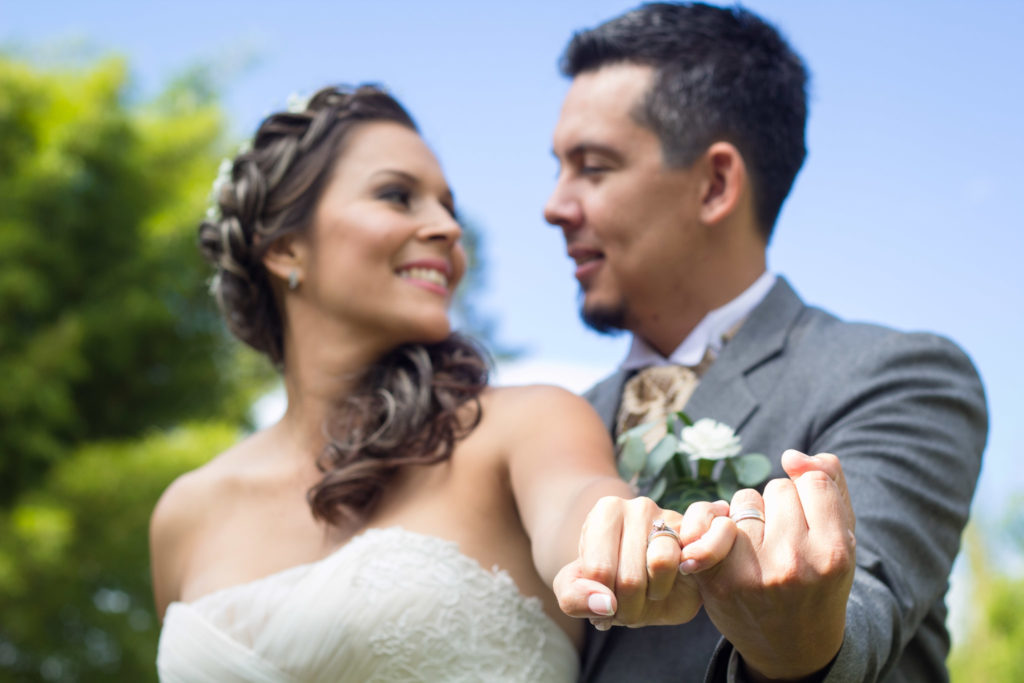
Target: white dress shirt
(707, 335)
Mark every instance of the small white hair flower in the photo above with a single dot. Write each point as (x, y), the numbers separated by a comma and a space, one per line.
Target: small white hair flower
(214, 285)
(222, 179)
(297, 103)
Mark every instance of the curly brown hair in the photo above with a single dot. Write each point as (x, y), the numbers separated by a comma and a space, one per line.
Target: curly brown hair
(412, 405)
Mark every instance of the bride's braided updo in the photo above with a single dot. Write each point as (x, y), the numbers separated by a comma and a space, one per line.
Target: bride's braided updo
(271, 190)
(407, 407)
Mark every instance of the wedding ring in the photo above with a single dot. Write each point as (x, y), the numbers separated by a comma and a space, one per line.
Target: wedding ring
(660, 528)
(747, 513)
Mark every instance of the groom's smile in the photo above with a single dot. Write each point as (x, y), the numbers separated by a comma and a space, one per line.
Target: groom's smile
(588, 262)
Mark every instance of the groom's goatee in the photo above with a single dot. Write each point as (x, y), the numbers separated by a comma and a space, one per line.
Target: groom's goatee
(610, 321)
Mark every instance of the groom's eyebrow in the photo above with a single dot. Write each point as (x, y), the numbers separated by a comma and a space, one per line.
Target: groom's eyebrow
(581, 148)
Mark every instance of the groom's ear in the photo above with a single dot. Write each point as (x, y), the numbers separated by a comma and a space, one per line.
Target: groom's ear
(725, 182)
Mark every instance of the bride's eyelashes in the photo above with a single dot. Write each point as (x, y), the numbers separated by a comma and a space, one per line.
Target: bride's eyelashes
(399, 195)
(402, 197)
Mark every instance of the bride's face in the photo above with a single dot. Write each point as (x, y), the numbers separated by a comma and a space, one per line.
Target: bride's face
(385, 248)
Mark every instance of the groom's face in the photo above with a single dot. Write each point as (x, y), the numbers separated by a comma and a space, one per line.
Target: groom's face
(629, 221)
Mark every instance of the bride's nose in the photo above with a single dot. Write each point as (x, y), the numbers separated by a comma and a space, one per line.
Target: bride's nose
(441, 225)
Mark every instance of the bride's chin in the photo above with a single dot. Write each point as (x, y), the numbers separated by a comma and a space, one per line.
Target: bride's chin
(438, 335)
(431, 333)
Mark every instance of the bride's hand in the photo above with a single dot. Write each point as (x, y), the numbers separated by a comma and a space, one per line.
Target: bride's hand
(628, 575)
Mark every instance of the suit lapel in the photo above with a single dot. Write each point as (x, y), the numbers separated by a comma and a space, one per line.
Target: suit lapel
(723, 393)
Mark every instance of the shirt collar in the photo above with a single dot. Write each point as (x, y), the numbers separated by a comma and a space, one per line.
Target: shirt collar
(707, 335)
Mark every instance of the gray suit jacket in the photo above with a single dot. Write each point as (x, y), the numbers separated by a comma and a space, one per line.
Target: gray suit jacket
(906, 415)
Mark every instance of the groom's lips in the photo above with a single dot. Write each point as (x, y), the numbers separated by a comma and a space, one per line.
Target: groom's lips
(588, 261)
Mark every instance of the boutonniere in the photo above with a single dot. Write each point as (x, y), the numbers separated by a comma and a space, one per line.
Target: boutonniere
(692, 462)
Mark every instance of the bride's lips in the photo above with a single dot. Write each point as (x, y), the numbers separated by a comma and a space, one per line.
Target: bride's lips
(588, 262)
(431, 274)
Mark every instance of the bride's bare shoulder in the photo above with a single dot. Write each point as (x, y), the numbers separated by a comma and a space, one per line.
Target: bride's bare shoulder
(532, 403)
(192, 493)
(190, 501)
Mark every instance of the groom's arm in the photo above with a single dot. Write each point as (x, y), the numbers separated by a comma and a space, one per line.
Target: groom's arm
(909, 431)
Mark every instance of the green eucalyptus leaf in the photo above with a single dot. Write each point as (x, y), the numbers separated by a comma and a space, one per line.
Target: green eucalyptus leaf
(658, 489)
(673, 423)
(632, 458)
(637, 431)
(752, 469)
(673, 491)
(728, 483)
(660, 455)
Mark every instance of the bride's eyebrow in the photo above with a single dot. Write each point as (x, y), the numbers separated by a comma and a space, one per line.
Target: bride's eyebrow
(403, 175)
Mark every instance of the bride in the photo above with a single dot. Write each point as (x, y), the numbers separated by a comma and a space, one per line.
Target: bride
(402, 521)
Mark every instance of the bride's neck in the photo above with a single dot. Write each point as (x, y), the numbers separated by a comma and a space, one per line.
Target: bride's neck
(320, 370)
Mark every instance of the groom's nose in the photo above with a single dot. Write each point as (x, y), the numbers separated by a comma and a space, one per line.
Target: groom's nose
(563, 208)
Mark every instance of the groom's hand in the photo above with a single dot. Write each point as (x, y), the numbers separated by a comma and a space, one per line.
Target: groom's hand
(622, 579)
(780, 596)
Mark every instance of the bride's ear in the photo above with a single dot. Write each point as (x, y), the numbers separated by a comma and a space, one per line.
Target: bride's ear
(287, 259)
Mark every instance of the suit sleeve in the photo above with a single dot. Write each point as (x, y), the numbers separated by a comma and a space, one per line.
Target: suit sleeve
(909, 430)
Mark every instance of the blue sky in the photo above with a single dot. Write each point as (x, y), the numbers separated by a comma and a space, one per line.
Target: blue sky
(908, 210)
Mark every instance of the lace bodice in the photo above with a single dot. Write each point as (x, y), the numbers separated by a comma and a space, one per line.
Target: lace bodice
(390, 605)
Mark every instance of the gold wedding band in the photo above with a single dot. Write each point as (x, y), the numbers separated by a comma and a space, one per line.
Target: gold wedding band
(747, 513)
(660, 528)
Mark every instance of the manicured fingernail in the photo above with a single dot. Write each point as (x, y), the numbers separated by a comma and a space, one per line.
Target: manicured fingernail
(601, 624)
(599, 603)
(687, 567)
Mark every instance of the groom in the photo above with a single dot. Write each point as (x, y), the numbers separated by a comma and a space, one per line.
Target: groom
(678, 141)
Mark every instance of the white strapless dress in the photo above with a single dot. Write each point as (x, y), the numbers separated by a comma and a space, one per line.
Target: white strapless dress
(389, 605)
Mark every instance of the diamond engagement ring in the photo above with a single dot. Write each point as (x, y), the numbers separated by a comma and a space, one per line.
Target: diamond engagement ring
(660, 528)
(747, 513)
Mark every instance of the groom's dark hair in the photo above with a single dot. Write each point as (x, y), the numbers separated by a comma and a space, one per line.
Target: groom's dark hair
(719, 74)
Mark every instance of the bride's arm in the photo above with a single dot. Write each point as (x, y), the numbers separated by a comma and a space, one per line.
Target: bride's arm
(560, 463)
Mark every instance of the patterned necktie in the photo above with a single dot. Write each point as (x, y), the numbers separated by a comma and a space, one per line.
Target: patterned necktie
(654, 392)
(651, 394)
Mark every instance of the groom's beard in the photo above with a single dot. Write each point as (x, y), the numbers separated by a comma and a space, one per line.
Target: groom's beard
(606, 320)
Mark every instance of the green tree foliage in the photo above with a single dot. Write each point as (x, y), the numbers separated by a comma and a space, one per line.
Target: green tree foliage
(105, 327)
(993, 646)
(74, 567)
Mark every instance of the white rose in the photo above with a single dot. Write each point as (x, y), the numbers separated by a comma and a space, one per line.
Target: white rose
(709, 440)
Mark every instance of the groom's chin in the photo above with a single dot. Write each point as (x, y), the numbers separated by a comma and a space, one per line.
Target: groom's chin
(605, 320)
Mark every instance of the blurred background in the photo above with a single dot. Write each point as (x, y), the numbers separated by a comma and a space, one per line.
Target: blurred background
(117, 374)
